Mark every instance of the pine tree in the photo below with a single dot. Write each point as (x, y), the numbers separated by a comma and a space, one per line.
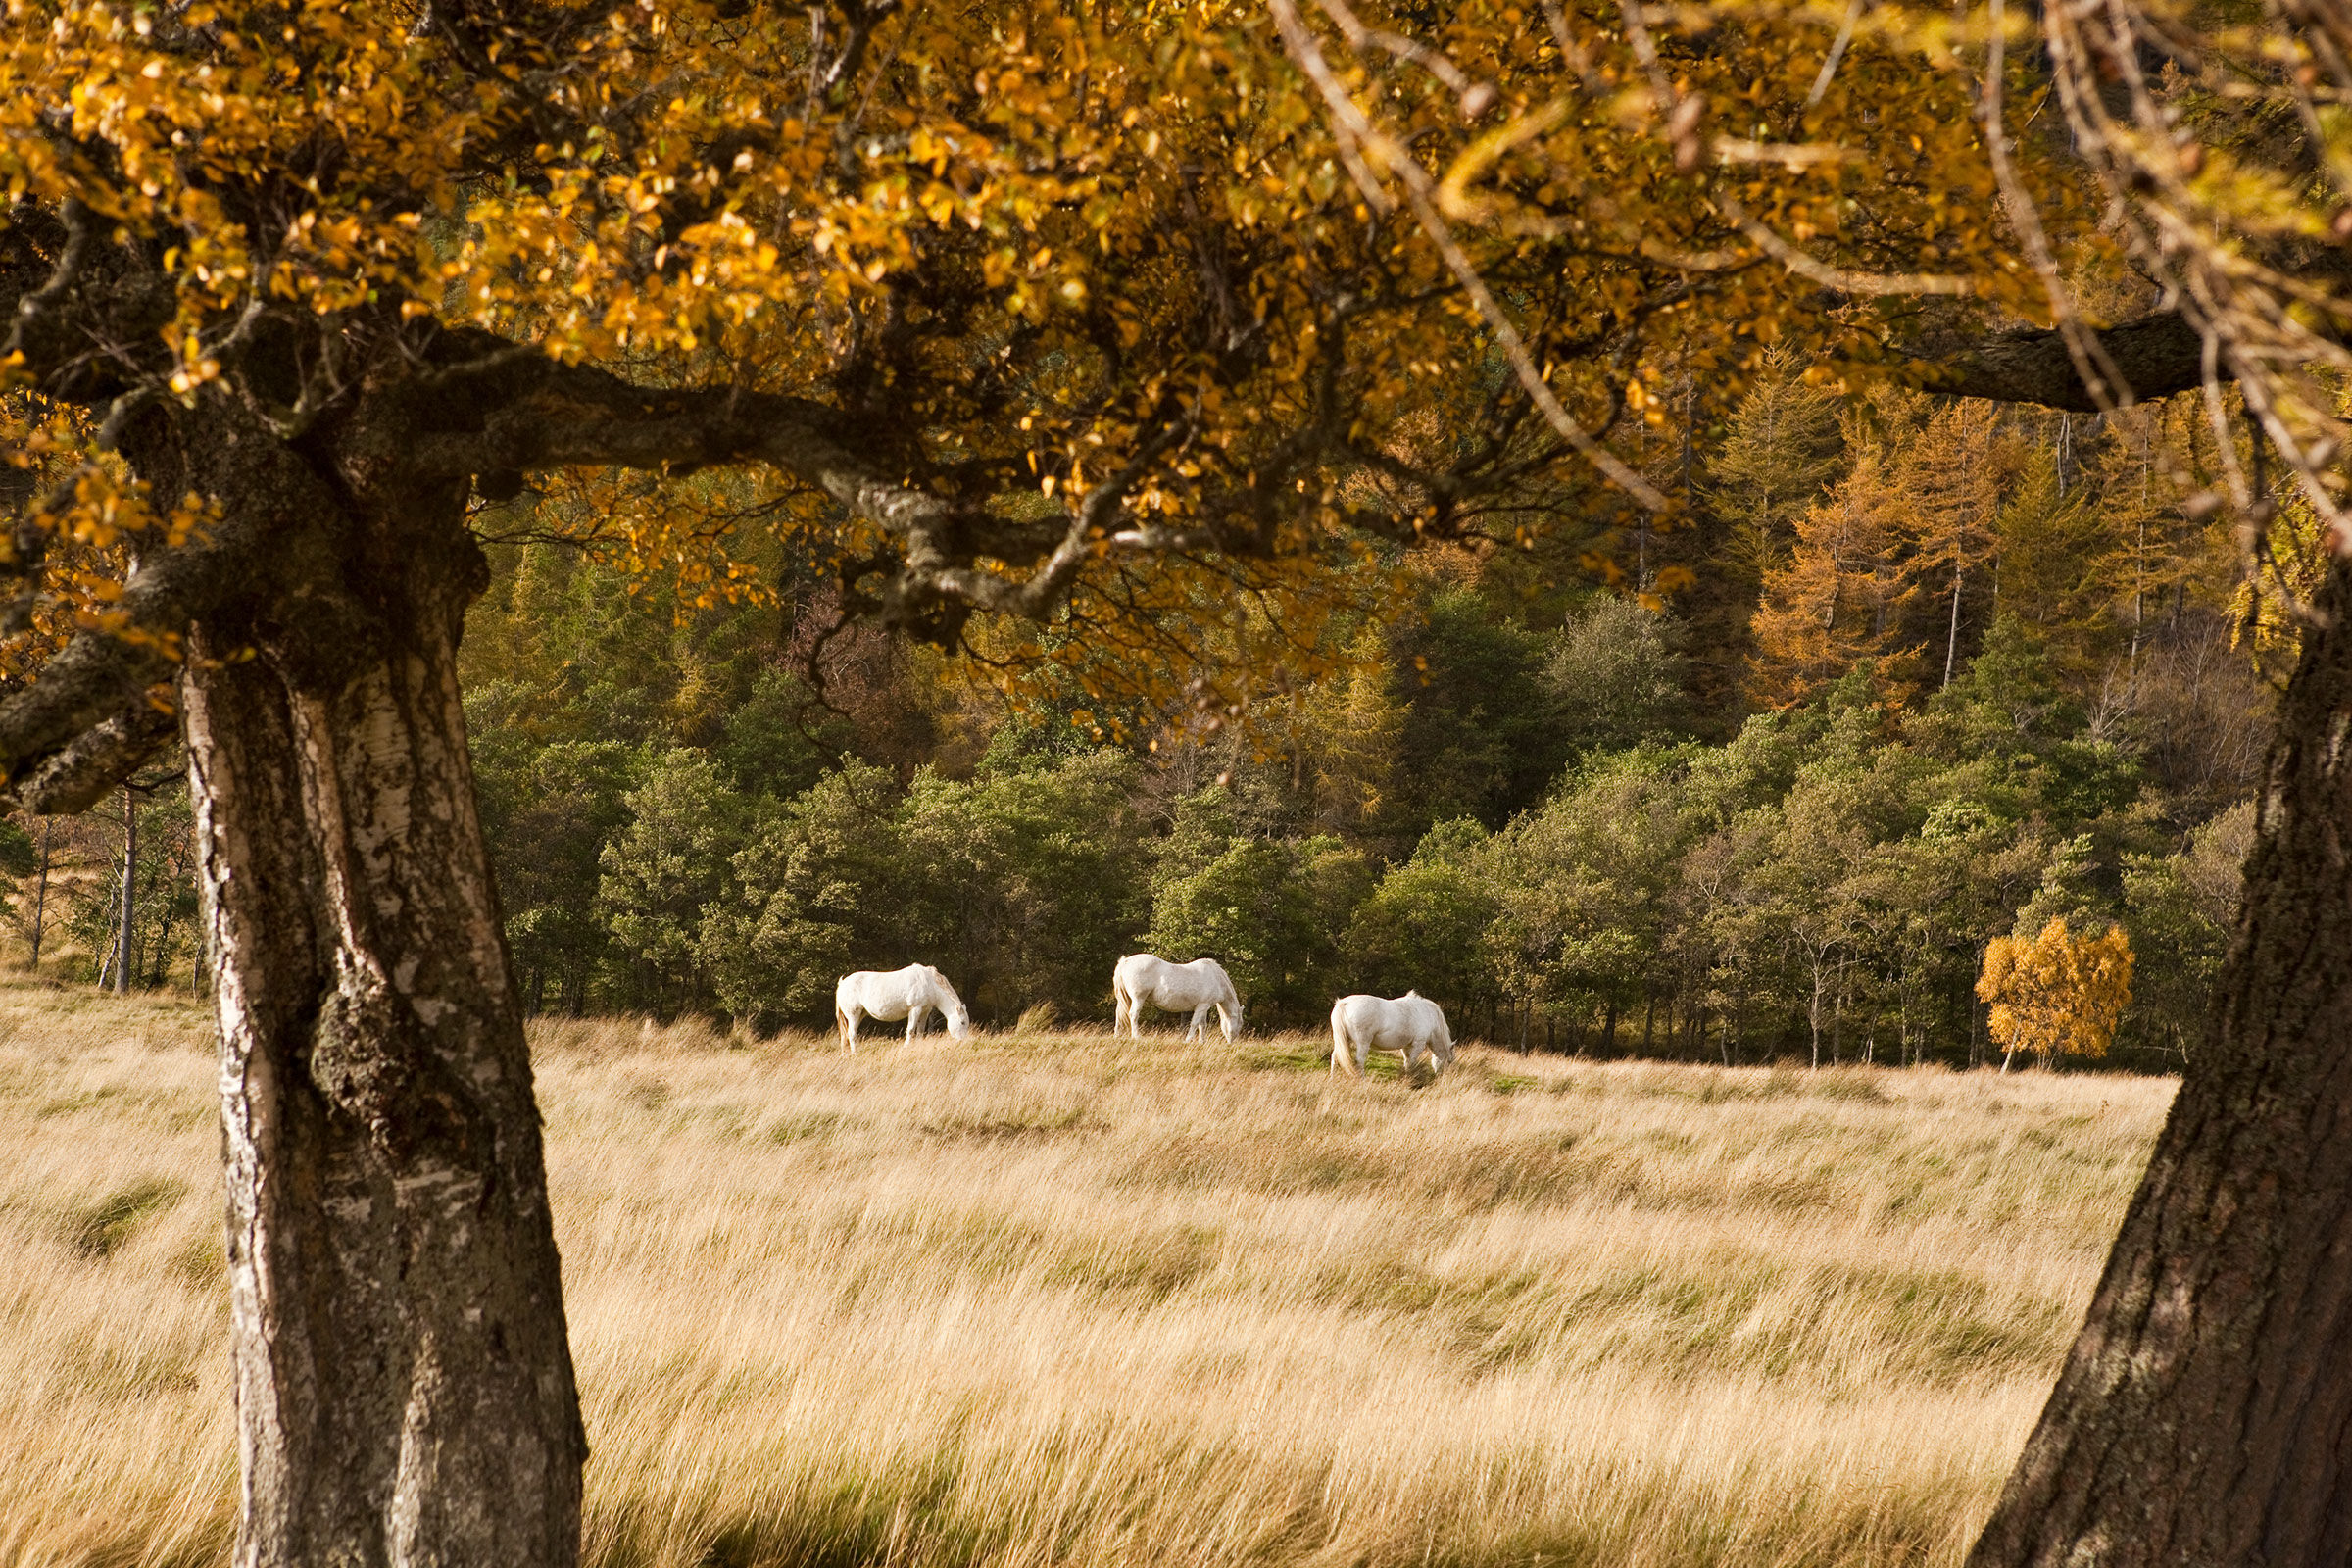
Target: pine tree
(1783, 447)
(2059, 562)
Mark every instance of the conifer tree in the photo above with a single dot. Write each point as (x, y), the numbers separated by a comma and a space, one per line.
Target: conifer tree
(2059, 552)
(1846, 592)
(1781, 447)
(1952, 467)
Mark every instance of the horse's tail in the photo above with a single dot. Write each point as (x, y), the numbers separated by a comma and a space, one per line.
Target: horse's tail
(1343, 1048)
(841, 1024)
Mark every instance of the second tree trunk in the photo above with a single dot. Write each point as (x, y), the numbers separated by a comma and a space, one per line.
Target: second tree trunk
(2205, 1413)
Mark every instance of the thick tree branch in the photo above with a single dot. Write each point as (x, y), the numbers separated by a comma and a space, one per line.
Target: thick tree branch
(2156, 355)
(86, 720)
(536, 414)
(539, 415)
(97, 760)
(50, 733)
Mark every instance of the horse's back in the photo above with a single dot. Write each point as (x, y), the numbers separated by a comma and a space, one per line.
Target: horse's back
(878, 990)
(1361, 1017)
(1171, 987)
(1388, 1023)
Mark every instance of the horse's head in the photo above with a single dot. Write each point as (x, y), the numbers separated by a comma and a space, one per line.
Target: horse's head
(959, 1022)
(1231, 1018)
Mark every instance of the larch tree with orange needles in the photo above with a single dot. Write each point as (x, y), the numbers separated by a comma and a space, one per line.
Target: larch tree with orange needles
(1846, 591)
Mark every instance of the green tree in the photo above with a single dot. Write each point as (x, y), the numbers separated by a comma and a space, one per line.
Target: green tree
(1423, 925)
(1476, 739)
(821, 888)
(1781, 448)
(2179, 910)
(775, 740)
(547, 813)
(1028, 880)
(1616, 676)
(2058, 565)
(1584, 884)
(1269, 910)
(665, 867)
(163, 926)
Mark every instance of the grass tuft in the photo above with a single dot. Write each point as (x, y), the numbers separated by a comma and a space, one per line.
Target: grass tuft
(97, 1231)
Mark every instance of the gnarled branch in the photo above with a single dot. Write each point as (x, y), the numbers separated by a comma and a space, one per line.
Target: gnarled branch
(2156, 355)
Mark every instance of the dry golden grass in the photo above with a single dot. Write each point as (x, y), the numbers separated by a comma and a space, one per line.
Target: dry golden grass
(1048, 1299)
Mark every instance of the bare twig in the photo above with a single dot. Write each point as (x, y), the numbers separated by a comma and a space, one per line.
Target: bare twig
(1828, 67)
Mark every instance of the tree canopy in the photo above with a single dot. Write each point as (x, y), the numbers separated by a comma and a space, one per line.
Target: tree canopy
(1087, 312)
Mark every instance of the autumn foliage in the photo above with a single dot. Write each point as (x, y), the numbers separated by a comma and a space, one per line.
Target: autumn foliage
(2056, 991)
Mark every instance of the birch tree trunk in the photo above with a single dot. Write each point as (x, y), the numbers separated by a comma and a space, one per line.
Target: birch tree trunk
(403, 1381)
(123, 953)
(2204, 1416)
(41, 897)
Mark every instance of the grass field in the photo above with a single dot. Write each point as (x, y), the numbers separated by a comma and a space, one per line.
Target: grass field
(1054, 1300)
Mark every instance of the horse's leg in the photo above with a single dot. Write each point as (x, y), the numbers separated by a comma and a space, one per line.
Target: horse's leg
(848, 1027)
(1197, 1029)
(915, 1018)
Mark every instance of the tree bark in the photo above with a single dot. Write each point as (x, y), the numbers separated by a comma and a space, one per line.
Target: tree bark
(2205, 1413)
(403, 1380)
(130, 890)
(41, 897)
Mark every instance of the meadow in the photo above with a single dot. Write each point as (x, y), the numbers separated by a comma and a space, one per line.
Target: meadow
(1054, 1298)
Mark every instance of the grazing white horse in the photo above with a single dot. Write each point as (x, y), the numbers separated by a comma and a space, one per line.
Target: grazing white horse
(909, 994)
(1193, 988)
(1410, 1023)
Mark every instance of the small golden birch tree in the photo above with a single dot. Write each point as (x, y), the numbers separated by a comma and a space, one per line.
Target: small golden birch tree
(2056, 991)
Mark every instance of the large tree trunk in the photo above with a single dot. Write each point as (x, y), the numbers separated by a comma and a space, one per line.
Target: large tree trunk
(403, 1380)
(2205, 1414)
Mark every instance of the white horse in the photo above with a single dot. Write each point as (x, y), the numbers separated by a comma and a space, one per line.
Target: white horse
(1410, 1023)
(1193, 987)
(909, 994)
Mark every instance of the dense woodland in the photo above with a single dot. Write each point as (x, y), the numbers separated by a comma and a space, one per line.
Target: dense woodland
(1924, 673)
